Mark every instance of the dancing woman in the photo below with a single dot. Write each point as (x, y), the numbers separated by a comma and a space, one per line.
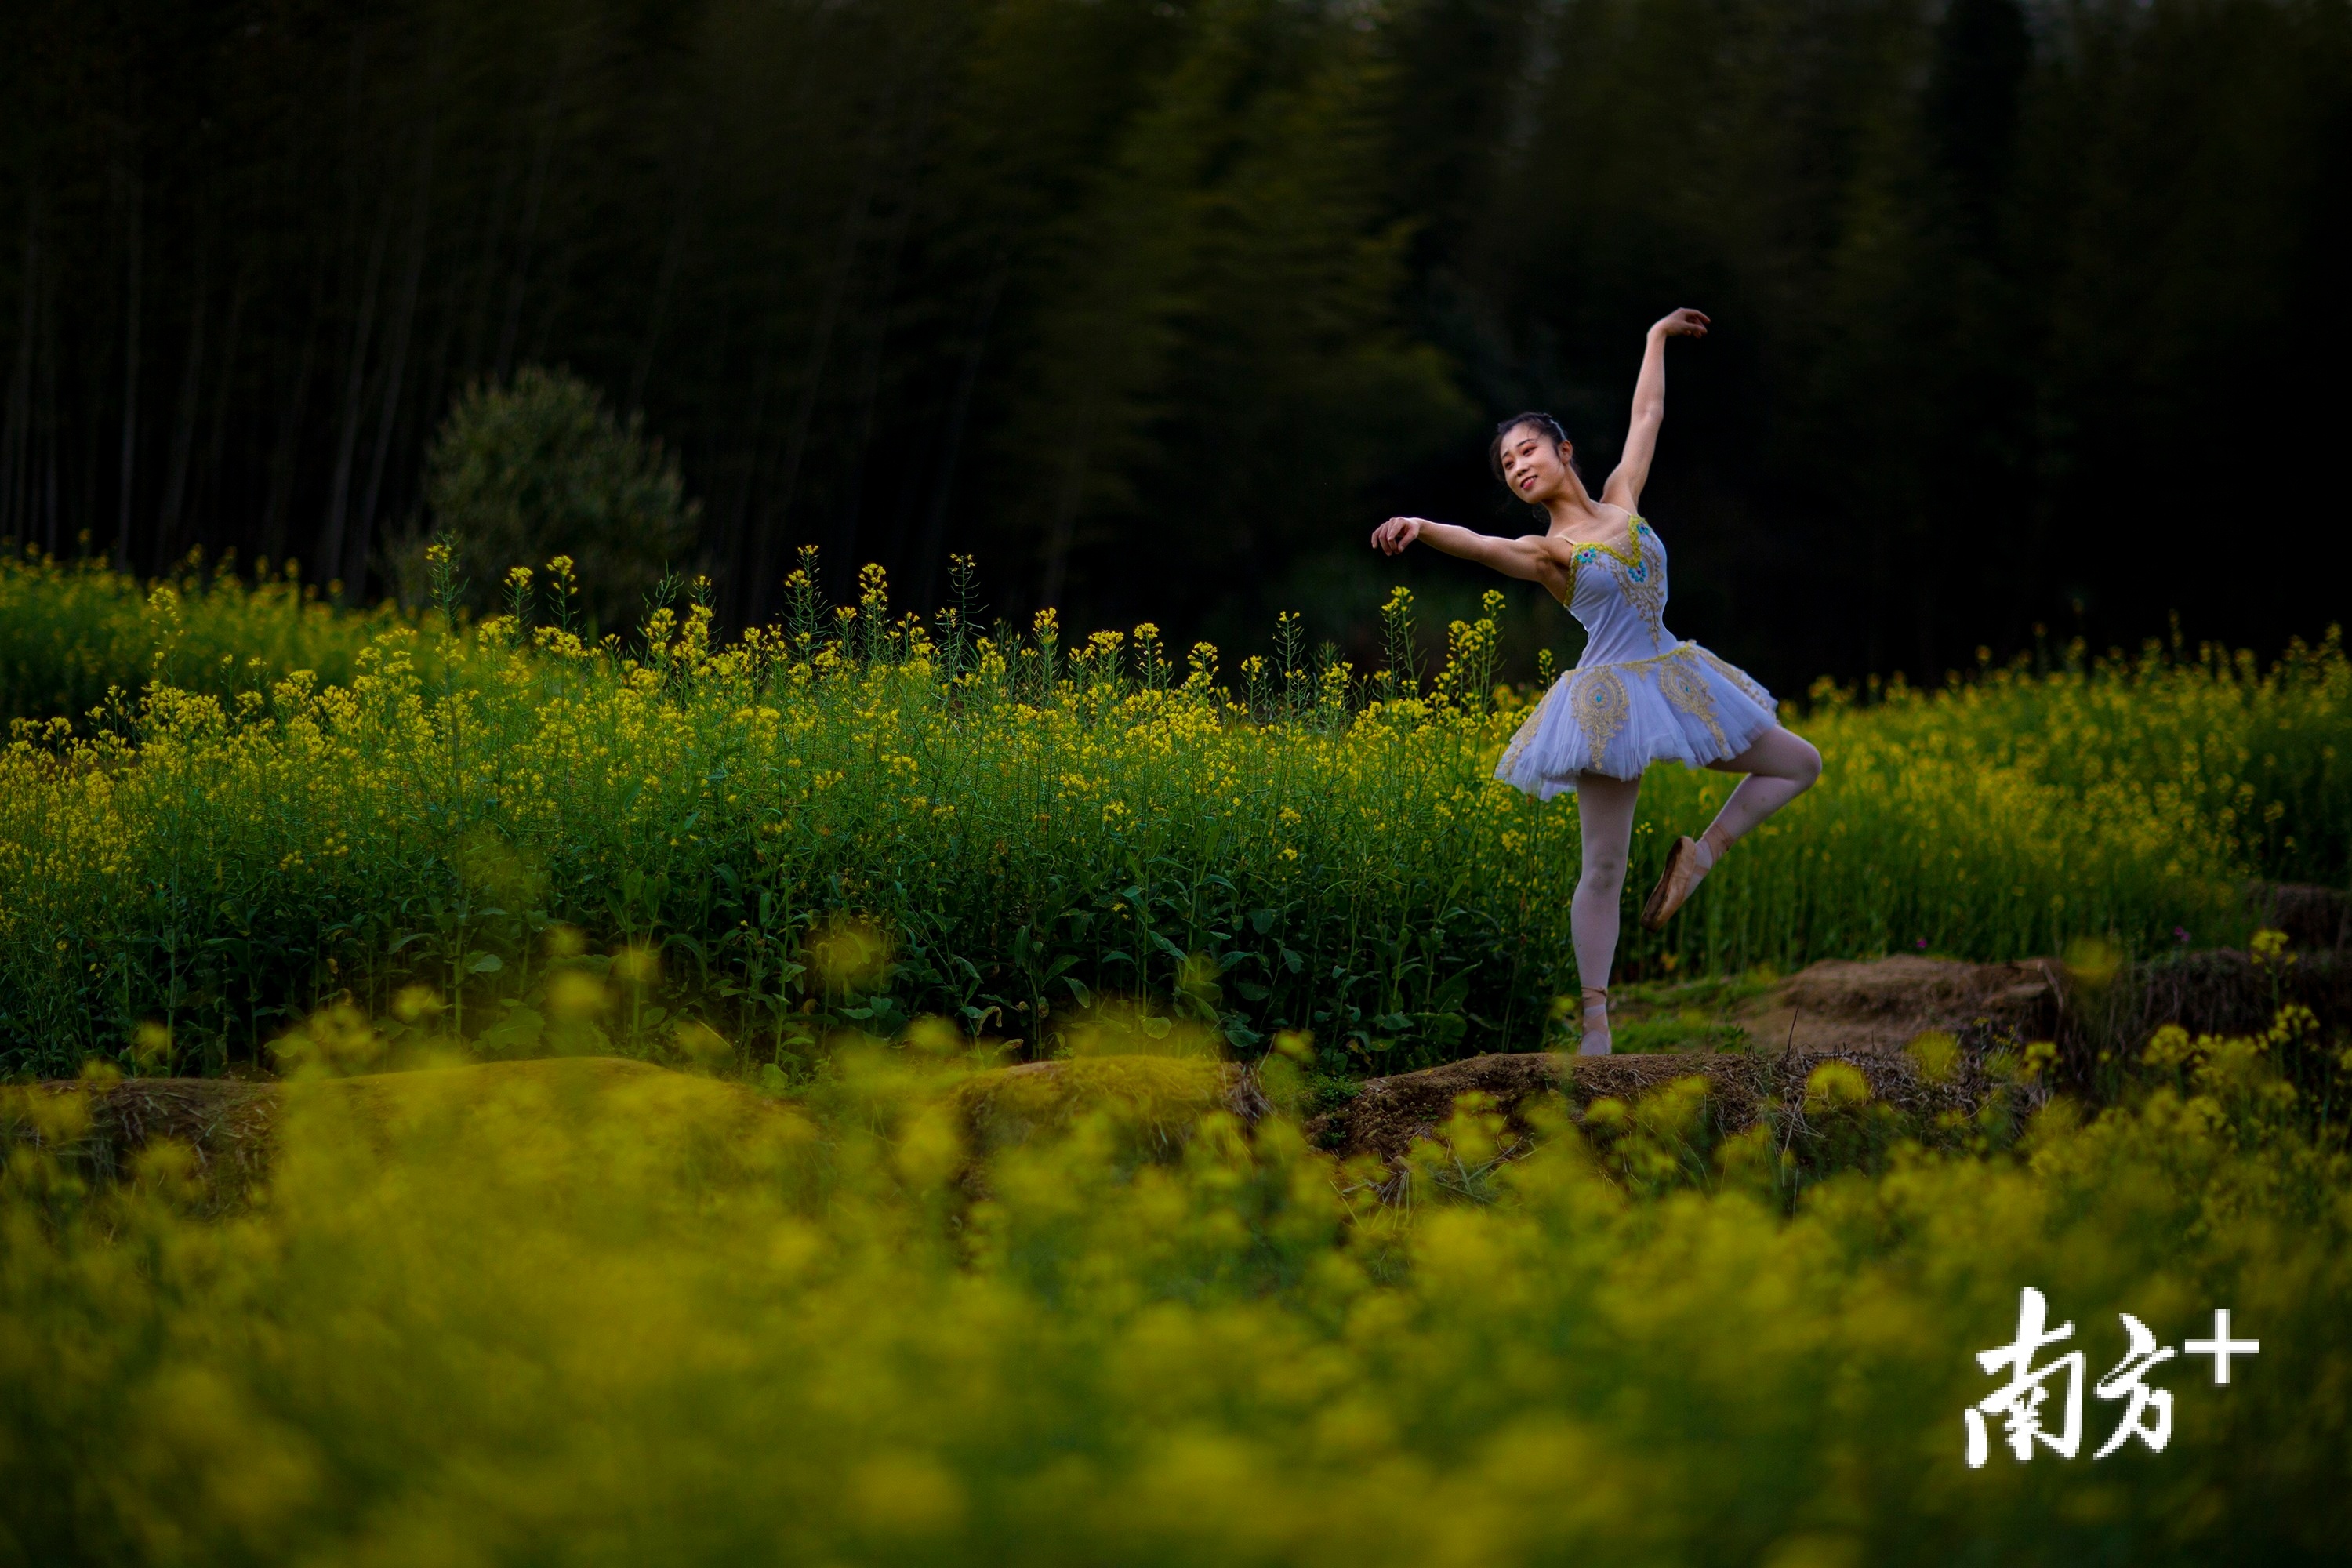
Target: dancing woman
(1638, 695)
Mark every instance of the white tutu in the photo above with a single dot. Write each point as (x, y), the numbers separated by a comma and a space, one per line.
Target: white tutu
(1685, 705)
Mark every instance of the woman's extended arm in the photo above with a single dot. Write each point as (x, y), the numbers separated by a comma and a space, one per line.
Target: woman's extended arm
(1633, 470)
(1530, 556)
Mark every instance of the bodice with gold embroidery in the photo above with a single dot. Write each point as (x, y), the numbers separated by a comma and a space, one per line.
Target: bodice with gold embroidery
(1619, 596)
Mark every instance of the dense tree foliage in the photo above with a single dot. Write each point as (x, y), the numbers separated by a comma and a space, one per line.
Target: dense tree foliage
(536, 468)
(1156, 305)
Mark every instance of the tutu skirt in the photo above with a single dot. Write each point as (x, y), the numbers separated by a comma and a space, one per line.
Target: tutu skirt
(1685, 705)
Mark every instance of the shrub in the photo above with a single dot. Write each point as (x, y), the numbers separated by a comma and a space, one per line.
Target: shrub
(539, 468)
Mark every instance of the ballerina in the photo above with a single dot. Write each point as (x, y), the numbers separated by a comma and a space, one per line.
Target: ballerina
(1638, 695)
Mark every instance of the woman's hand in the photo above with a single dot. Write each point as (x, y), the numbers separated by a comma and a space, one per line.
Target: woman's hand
(1681, 325)
(1392, 536)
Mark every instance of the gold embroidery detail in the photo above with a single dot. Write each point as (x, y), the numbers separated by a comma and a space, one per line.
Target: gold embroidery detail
(1739, 677)
(1632, 555)
(1585, 550)
(1686, 690)
(1599, 704)
(1527, 731)
(1640, 569)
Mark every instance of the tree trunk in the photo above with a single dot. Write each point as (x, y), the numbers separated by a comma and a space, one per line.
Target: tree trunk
(394, 376)
(15, 435)
(734, 540)
(759, 590)
(934, 540)
(494, 225)
(850, 528)
(183, 431)
(533, 196)
(47, 356)
(216, 444)
(130, 383)
(741, 594)
(290, 427)
(869, 371)
(1065, 514)
(673, 257)
(330, 539)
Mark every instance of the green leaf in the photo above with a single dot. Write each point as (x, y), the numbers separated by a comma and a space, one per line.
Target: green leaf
(518, 1031)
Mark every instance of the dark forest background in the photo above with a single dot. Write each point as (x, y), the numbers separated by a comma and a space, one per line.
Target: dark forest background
(2026, 313)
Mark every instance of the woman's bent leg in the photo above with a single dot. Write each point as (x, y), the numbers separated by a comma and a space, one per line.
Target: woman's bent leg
(1604, 809)
(1781, 766)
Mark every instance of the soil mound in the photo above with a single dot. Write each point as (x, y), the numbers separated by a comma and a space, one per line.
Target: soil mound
(1388, 1115)
(2314, 919)
(1883, 1005)
(1867, 1013)
(1157, 1097)
(2220, 992)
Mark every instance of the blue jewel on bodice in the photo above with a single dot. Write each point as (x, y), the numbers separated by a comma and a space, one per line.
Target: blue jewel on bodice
(1641, 581)
(1636, 572)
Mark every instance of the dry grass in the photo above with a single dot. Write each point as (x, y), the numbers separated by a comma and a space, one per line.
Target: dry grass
(1390, 1114)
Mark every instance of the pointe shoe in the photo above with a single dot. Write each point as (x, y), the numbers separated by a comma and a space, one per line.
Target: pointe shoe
(1685, 870)
(1596, 1041)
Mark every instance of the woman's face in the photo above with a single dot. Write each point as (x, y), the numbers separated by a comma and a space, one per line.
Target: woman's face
(1534, 465)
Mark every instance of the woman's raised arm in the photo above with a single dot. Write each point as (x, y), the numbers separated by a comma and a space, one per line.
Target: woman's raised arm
(1633, 470)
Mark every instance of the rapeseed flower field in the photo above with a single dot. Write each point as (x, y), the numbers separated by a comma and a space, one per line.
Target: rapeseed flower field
(599, 1312)
(535, 1301)
(77, 637)
(514, 835)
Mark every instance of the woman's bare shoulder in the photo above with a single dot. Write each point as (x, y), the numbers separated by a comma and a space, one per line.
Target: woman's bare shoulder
(1553, 560)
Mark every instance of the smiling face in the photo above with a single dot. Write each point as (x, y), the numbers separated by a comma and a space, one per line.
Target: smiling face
(1535, 467)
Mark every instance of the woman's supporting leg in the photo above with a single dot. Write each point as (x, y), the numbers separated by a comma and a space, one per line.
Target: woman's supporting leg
(1781, 766)
(1604, 810)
